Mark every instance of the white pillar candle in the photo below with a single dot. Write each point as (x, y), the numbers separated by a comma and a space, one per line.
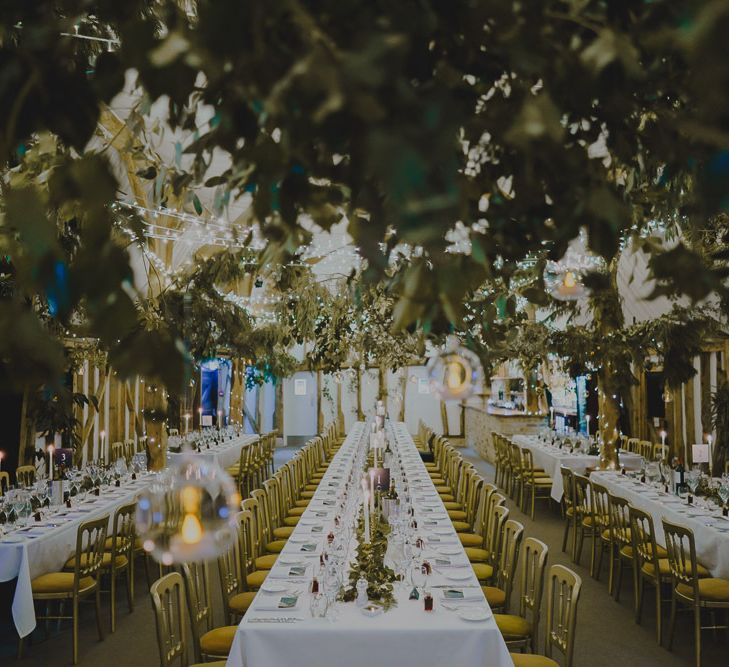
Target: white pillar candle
(2, 454)
(372, 489)
(51, 449)
(365, 502)
(587, 419)
(102, 449)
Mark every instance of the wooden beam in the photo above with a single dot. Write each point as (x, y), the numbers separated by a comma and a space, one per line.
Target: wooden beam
(688, 400)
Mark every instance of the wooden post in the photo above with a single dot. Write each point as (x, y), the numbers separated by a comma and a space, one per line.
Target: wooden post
(444, 418)
(340, 412)
(404, 388)
(319, 415)
(705, 392)
(155, 399)
(688, 397)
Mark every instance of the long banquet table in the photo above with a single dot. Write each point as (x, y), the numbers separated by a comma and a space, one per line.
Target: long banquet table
(226, 454)
(45, 547)
(406, 635)
(711, 532)
(551, 458)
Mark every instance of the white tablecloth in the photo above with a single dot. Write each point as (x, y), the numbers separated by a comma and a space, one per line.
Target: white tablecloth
(45, 547)
(712, 541)
(551, 459)
(226, 454)
(405, 636)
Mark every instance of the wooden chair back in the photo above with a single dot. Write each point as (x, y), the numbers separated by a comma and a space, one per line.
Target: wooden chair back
(563, 594)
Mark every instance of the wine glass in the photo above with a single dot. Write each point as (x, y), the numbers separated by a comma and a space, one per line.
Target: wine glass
(723, 489)
(692, 479)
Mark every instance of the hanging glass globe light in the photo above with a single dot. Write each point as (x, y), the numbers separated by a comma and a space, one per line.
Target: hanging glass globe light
(564, 279)
(188, 513)
(455, 372)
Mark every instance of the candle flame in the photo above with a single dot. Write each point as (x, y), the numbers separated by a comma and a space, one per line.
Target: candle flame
(191, 529)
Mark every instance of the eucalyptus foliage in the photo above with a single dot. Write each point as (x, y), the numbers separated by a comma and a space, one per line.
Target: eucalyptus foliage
(522, 120)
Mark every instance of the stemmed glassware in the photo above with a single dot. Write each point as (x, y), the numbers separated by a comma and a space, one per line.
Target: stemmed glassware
(693, 477)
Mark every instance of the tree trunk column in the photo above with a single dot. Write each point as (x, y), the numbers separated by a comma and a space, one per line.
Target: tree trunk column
(155, 405)
(608, 419)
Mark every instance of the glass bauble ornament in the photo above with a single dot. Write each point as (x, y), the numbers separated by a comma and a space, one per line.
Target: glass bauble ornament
(188, 514)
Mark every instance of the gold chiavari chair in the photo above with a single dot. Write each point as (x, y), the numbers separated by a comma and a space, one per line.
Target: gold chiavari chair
(585, 519)
(117, 451)
(236, 600)
(170, 613)
(251, 578)
(660, 452)
(25, 476)
(568, 505)
(621, 553)
(633, 445)
(645, 449)
(494, 531)
(120, 559)
(563, 594)
(650, 562)
(475, 542)
(688, 588)
(82, 582)
(522, 630)
(535, 482)
(506, 566)
(600, 497)
(208, 642)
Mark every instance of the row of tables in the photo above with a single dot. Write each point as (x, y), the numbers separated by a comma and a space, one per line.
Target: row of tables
(551, 458)
(45, 546)
(711, 531)
(406, 635)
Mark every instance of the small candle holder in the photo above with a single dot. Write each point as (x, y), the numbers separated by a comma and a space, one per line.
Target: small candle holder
(428, 601)
(690, 499)
(362, 598)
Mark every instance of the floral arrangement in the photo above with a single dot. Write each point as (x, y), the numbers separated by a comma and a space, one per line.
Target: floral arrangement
(370, 565)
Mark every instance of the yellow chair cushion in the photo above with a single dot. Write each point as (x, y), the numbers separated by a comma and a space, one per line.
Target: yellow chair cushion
(461, 526)
(296, 511)
(59, 582)
(121, 561)
(109, 543)
(531, 660)
(476, 555)
(665, 569)
(710, 590)
(513, 627)
(470, 540)
(266, 562)
(482, 571)
(496, 597)
(302, 503)
(283, 532)
(457, 515)
(431, 465)
(276, 547)
(307, 494)
(311, 487)
(447, 497)
(290, 521)
(218, 641)
(255, 579)
(239, 604)
(453, 505)
(443, 488)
